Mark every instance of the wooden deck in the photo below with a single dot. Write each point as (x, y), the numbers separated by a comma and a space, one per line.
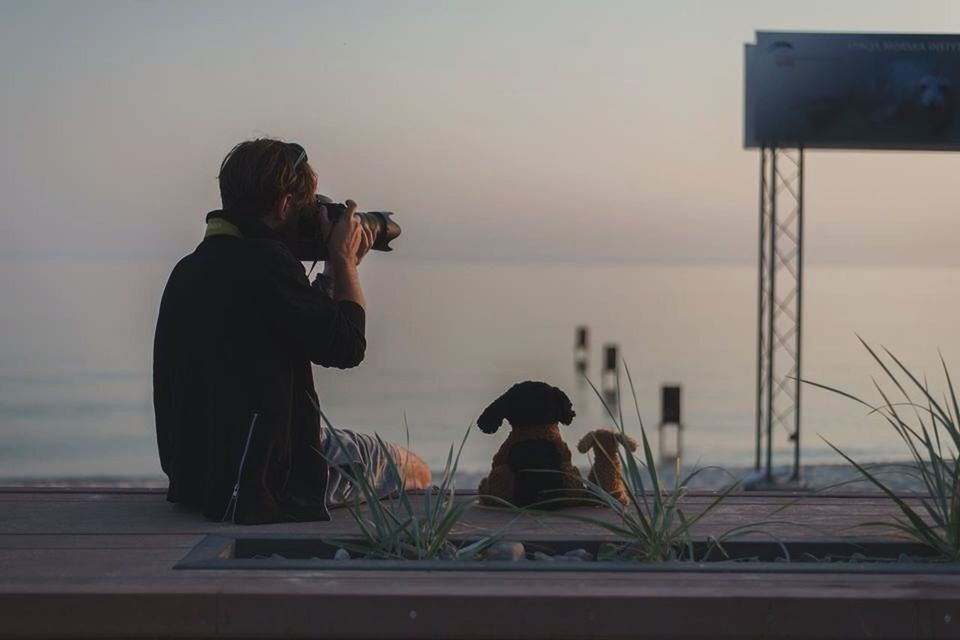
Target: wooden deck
(98, 564)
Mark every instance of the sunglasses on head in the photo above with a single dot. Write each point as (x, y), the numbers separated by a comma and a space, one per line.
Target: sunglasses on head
(300, 151)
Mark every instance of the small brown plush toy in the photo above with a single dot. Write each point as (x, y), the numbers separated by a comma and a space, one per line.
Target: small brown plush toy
(533, 464)
(606, 470)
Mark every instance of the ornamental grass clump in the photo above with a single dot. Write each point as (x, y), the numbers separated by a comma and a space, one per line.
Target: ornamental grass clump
(652, 526)
(930, 431)
(402, 525)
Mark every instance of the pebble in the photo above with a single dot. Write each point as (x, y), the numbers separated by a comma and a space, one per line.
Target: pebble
(579, 554)
(505, 551)
(341, 554)
(540, 556)
(566, 558)
(448, 552)
(857, 557)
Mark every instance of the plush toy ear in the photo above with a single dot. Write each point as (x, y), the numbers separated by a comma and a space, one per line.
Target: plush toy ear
(492, 417)
(565, 412)
(628, 442)
(586, 442)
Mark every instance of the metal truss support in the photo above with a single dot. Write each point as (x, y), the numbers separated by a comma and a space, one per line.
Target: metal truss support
(779, 305)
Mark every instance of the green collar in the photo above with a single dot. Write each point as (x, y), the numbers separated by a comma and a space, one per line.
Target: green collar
(220, 227)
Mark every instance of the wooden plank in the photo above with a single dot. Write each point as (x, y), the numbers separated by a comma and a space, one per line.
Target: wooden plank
(148, 514)
(377, 605)
(91, 488)
(56, 564)
(78, 496)
(99, 493)
(121, 613)
(935, 588)
(154, 516)
(555, 616)
(98, 541)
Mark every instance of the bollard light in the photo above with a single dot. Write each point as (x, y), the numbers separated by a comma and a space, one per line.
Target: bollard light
(608, 376)
(581, 351)
(670, 432)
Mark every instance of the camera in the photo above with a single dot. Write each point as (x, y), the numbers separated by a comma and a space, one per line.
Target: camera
(308, 242)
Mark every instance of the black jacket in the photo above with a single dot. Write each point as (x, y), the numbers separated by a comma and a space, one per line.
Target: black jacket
(237, 428)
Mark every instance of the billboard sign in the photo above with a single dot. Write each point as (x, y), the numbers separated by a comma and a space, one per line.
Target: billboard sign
(852, 91)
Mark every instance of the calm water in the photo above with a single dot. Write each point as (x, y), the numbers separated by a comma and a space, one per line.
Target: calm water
(446, 339)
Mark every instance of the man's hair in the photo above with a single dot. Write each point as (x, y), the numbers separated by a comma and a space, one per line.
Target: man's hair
(258, 173)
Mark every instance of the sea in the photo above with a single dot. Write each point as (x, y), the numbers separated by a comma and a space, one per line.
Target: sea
(445, 339)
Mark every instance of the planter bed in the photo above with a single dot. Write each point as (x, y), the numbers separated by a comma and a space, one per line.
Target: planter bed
(308, 552)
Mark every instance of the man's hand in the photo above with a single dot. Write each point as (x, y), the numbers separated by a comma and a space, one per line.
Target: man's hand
(346, 245)
(366, 242)
(345, 238)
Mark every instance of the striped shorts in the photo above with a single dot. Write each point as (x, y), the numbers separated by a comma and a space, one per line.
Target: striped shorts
(346, 450)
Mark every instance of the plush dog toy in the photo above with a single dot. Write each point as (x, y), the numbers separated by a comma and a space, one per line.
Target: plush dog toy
(533, 464)
(606, 470)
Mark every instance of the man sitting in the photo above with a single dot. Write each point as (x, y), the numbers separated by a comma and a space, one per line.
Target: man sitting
(238, 423)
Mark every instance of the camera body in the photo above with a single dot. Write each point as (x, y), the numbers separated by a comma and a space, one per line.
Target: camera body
(308, 242)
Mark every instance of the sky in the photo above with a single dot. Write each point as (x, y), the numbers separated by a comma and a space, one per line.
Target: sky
(513, 131)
